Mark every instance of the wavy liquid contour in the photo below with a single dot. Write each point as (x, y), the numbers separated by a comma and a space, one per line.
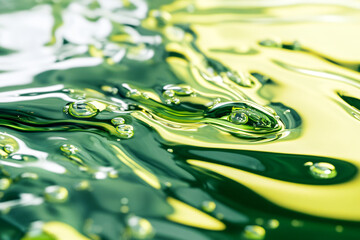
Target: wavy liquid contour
(179, 120)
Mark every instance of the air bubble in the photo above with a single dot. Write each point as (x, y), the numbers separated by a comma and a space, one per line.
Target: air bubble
(56, 194)
(322, 170)
(139, 228)
(273, 223)
(238, 117)
(82, 109)
(125, 131)
(4, 183)
(118, 121)
(208, 206)
(9, 148)
(254, 232)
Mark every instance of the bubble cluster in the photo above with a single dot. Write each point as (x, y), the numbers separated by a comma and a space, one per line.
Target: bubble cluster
(250, 117)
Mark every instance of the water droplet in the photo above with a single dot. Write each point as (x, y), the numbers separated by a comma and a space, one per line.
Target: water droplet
(175, 101)
(238, 117)
(124, 209)
(56, 194)
(8, 145)
(82, 109)
(254, 232)
(69, 149)
(168, 101)
(124, 200)
(208, 206)
(139, 228)
(9, 148)
(125, 131)
(296, 223)
(118, 121)
(170, 150)
(323, 170)
(169, 93)
(273, 223)
(4, 183)
(83, 185)
(339, 228)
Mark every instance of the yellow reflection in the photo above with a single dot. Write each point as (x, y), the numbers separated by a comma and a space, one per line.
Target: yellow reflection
(144, 174)
(187, 215)
(338, 201)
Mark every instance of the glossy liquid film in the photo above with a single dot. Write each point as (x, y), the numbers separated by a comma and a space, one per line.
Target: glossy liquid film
(179, 119)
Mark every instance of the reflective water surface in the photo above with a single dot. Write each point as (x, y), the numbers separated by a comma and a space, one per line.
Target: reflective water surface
(181, 119)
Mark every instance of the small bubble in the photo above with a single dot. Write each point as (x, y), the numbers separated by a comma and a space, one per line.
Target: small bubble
(273, 223)
(56, 194)
(133, 93)
(4, 183)
(254, 232)
(296, 223)
(69, 149)
(323, 170)
(9, 148)
(83, 185)
(139, 228)
(175, 101)
(82, 109)
(124, 209)
(118, 121)
(145, 95)
(238, 117)
(170, 150)
(125, 131)
(168, 101)
(220, 216)
(208, 206)
(339, 228)
(169, 93)
(124, 200)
